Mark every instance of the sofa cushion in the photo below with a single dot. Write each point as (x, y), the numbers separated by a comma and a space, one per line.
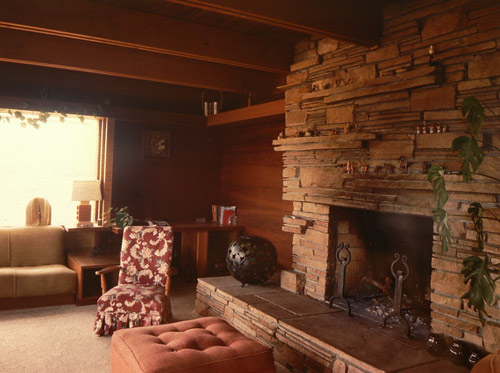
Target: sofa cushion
(44, 280)
(7, 283)
(4, 247)
(37, 246)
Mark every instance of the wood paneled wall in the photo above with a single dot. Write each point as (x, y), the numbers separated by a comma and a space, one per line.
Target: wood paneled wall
(251, 179)
(181, 187)
(234, 166)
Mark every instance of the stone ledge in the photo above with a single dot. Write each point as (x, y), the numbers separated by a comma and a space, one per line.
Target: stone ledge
(311, 330)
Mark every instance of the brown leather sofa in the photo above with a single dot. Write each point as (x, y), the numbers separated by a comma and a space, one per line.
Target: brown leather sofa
(33, 269)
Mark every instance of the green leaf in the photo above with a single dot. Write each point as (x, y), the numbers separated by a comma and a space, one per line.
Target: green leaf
(471, 154)
(439, 214)
(476, 211)
(474, 112)
(482, 285)
(19, 115)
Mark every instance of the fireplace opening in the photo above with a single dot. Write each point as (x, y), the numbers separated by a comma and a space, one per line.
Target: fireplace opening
(378, 241)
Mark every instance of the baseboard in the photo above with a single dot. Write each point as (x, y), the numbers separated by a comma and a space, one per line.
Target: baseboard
(40, 301)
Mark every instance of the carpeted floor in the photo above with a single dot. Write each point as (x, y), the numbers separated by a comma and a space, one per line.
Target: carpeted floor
(61, 338)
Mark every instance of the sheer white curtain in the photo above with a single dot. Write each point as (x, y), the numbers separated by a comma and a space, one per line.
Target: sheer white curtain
(43, 163)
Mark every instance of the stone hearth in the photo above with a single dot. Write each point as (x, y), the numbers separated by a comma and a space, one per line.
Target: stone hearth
(308, 336)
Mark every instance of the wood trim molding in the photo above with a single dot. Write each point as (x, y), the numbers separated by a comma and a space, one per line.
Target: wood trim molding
(359, 22)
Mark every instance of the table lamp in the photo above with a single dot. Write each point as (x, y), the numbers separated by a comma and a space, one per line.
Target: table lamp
(85, 191)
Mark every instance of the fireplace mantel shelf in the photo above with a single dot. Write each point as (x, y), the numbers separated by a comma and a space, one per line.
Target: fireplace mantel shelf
(319, 139)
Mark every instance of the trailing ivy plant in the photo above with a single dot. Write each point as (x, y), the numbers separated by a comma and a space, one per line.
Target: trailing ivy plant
(476, 270)
(48, 110)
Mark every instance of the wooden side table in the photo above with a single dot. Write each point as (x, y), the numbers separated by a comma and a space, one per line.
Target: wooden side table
(89, 285)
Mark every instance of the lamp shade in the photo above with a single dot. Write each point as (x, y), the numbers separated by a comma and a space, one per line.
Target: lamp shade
(89, 190)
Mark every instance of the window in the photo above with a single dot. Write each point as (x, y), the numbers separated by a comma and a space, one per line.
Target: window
(43, 163)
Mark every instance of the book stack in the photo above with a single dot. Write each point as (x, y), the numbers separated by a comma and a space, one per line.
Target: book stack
(224, 214)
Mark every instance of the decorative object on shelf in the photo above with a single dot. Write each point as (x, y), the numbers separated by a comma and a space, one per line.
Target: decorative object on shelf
(281, 136)
(347, 128)
(432, 51)
(389, 168)
(86, 191)
(473, 357)
(349, 167)
(157, 143)
(435, 344)
(363, 167)
(213, 106)
(251, 259)
(310, 132)
(458, 352)
(38, 212)
(403, 165)
(120, 216)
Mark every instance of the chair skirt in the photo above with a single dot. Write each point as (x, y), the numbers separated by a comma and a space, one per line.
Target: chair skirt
(131, 305)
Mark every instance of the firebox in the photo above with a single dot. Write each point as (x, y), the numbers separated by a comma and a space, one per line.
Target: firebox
(381, 246)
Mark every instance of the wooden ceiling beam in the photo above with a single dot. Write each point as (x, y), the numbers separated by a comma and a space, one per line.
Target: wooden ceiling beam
(356, 21)
(112, 25)
(78, 55)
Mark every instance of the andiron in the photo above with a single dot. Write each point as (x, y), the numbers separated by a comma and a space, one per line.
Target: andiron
(400, 276)
(343, 262)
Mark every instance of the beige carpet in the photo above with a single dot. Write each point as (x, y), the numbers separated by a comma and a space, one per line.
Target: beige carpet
(61, 338)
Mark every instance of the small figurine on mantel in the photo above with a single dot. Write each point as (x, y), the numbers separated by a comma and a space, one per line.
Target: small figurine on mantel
(389, 168)
(349, 167)
(363, 167)
(333, 132)
(281, 136)
(310, 132)
(403, 165)
(347, 128)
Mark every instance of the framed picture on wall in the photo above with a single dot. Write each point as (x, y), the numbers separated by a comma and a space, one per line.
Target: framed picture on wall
(157, 143)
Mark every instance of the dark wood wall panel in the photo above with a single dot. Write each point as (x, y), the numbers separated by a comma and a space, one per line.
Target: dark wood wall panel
(251, 179)
(181, 187)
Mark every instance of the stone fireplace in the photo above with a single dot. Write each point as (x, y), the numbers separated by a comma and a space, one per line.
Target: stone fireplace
(363, 125)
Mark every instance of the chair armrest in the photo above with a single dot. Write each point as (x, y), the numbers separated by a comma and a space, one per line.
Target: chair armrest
(108, 270)
(171, 272)
(103, 272)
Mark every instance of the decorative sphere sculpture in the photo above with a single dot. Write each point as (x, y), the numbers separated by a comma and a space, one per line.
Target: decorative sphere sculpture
(251, 259)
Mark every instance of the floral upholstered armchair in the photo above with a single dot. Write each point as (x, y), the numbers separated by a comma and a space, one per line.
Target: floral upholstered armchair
(141, 297)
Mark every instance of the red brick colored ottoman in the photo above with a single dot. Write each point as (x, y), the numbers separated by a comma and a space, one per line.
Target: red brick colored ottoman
(204, 345)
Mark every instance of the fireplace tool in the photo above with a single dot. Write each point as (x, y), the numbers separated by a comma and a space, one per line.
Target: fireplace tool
(343, 262)
(398, 292)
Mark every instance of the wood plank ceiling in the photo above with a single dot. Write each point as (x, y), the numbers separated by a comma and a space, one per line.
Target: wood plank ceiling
(161, 55)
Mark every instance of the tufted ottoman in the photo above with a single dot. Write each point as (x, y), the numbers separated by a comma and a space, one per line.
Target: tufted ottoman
(204, 345)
